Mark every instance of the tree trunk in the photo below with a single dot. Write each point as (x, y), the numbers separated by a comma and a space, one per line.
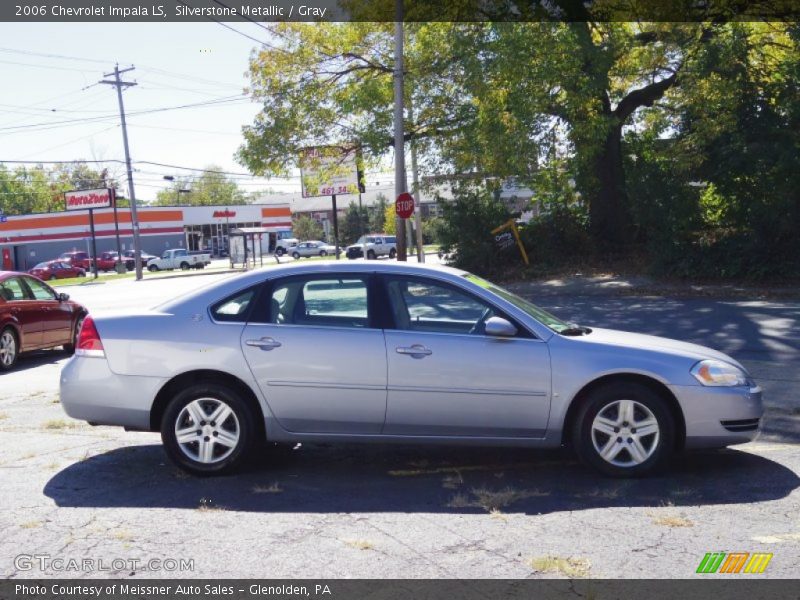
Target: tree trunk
(609, 216)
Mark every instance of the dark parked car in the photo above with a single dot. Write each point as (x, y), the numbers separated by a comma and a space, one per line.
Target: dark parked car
(56, 269)
(33, 316)
(129, 257)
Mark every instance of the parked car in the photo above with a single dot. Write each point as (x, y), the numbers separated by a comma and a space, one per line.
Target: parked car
(129, 256)
(376, 244)
(77, 258)
(285, 245)
(33, 317)
(107, 261)
(313, 248)
(398, 352)
(56, 269)
(179, 258)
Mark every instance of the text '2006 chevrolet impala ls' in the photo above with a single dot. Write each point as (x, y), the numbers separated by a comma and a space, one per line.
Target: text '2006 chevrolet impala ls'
(398, 352)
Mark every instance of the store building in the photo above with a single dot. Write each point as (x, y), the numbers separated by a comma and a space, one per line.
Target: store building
(29, 239)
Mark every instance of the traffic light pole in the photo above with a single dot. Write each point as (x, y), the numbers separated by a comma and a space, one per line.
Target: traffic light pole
(119, 84)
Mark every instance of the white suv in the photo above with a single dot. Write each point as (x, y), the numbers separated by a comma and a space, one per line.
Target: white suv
(375, 245)
(285, 245)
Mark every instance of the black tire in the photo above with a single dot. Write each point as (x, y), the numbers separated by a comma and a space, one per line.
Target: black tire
(244, 419)
(371, 255)
(82, 274)
(184, 266)
(52, 278)
(8, 331)
(70, 348)
(323, 253)
(295, 255)
(279, 252)
(392, 253)
(152, 268)
(658, 446)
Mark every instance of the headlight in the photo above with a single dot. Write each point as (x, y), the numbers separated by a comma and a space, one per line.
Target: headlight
(718, 373)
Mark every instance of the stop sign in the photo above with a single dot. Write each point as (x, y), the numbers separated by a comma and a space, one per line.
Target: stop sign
(404, 205)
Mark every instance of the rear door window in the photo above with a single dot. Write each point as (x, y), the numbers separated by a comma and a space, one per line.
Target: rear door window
(329, 301)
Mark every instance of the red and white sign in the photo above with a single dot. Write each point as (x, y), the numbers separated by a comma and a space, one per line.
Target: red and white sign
(223, 214)
(83, 199)
(404, 205)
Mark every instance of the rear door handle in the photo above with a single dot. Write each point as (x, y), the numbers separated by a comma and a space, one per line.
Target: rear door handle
(416, 350)
(265, 343)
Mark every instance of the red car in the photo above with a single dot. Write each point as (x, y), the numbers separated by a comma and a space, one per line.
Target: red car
(107, 261)
(56, 269)
(33, 317)
(77, 258)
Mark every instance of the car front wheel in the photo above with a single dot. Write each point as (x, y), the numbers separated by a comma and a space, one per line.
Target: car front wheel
(70, 348)
(152, 268)
(295, 255)
(624, 430)
(279, 252)
(371, 254)
(208, 429)
(392, 253)
(9, 349)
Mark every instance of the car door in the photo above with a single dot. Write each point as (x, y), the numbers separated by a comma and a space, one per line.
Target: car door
(23, 310)
(55, 316)
(448, 378)
(317, 355)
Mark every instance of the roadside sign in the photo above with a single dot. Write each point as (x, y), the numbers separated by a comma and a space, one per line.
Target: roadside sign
(3, 218)
(404, 205)
(83, 199)
(328, 171)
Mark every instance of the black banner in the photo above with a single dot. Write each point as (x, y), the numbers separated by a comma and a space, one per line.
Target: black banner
(384, 10)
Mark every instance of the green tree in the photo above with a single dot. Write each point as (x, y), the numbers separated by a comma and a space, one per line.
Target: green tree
(211, 188)
(389, 220)
(355, 223)
(377, 218)
(305, 228)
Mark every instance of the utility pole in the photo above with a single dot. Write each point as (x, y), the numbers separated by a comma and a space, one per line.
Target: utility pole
(417, 194)
(119, 84)
(399, 141)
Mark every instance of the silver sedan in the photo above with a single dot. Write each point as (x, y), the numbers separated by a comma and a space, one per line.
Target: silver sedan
(398, 352)
(313, 248)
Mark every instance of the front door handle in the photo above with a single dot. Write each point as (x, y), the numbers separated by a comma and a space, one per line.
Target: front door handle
(265, 343)
(416, 350)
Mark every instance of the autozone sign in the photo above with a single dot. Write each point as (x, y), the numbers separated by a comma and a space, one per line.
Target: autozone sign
(83, 199)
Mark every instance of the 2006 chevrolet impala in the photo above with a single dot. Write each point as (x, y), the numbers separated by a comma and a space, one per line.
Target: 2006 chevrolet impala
(398, 352)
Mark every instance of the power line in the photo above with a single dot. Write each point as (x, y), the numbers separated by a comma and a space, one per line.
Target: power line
(45, 55)
(225, 25)
(66, 122)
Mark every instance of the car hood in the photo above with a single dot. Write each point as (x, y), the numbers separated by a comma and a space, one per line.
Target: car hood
(652, 343)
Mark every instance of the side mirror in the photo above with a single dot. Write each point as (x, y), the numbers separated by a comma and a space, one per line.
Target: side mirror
(499, 327)
(62, 297)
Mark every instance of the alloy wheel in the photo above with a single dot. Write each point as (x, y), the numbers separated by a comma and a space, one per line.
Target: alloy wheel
(625, 433)
(8, 349)
(207, 430)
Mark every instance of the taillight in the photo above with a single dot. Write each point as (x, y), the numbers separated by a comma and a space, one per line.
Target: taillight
(89, 343)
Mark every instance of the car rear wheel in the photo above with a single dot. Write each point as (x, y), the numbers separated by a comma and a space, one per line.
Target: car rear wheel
(70, 348)
(392, 253)
(323, 253)
(9, 349)
(208, 429)
(52, 278)
(279, 252)
(624, 430)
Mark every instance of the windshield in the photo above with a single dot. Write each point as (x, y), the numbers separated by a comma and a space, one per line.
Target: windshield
(365, 239)
(43, 265)
(541, 315)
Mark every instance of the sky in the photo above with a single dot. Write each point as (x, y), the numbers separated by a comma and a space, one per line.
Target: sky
(42, 98)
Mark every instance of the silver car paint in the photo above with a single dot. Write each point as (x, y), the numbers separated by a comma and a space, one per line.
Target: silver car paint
(145, 351)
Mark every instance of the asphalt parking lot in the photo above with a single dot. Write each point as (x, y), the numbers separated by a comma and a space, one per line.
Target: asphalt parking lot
(73, 491)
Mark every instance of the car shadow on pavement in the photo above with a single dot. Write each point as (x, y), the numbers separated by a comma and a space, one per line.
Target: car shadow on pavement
(390, 478)
(37, 358)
